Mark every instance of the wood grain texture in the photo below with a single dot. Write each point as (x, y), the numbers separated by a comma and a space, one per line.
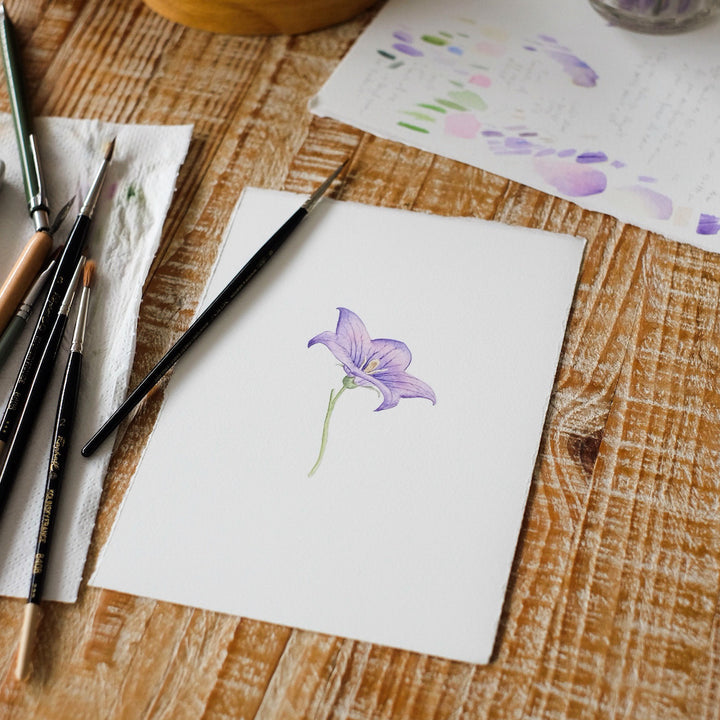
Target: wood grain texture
(612, 606)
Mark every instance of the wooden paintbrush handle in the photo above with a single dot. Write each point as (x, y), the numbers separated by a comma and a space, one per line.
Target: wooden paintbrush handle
(20, 278)
(31, 618)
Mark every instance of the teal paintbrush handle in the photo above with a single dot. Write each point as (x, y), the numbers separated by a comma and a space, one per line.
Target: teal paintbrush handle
(9, 338)
(18, 105)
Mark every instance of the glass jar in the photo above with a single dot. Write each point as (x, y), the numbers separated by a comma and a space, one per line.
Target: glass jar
(658, 16)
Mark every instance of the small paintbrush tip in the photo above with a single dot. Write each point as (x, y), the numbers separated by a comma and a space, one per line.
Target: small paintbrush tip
(108, 150)
(88, 272)
(340, 168)
(313, 200)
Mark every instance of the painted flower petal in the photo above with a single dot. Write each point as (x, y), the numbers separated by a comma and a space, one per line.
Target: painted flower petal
(407, 386)
(388, 354)
(350, 342)
(379, 363)
(395, 386)
(329, 339)
(352, 346)
(353, 336)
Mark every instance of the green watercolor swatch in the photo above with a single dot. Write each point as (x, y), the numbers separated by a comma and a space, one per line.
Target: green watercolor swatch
(413, 127)
(451, 105)
(418, 115)
(436, 108)
(434, 40)
(468, 98)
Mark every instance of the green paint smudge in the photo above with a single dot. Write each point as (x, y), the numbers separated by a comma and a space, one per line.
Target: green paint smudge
(436, 108)
(387, 55)
(135, 193)
(418, 115)
(445, 34)
(451, 105)
(434, 40)
(413, 127)
(469, 99)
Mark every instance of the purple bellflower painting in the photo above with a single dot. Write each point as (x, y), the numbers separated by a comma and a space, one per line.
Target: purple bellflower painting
(371, 363)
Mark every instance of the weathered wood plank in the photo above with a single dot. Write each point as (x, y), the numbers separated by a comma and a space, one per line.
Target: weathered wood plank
(611, 610)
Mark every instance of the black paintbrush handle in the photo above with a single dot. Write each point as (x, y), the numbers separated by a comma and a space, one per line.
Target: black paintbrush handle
(203, 321)
(36, 391)
(64, 423)
(63, 274)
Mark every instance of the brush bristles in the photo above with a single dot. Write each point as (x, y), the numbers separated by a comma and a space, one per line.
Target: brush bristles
(88, 272)
(108, 150)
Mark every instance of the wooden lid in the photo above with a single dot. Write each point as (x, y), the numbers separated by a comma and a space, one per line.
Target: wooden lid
(259, 17)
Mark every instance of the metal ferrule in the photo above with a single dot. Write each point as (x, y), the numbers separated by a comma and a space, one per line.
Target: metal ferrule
(24, 310)
(70, 294)
(29, 300)
(40, 218)
(79, 335)
(38, 204)
(88, 207)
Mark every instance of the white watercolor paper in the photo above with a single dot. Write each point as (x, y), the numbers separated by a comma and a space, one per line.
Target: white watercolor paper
(550, 95)
(405, 534)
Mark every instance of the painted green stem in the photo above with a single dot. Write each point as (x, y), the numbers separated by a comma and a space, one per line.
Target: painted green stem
(331, 406)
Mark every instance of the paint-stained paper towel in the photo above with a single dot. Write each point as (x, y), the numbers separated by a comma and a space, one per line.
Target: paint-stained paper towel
(123, 239)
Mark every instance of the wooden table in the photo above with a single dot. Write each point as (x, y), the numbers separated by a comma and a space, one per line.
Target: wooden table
(612, 607)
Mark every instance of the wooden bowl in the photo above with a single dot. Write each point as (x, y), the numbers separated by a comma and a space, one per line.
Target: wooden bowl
(259, 17)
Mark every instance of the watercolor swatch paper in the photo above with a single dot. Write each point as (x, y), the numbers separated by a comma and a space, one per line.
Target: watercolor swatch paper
(550, 95)
(349, 447)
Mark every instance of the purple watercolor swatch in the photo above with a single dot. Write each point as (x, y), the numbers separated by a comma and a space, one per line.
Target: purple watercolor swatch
(571, 179)
(708, 224)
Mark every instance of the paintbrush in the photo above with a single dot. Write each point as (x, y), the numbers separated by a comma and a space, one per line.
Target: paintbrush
(205, 319)
(62, 435)
(19, 320)
(36, 250)
(58, 285)
(36, 390)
